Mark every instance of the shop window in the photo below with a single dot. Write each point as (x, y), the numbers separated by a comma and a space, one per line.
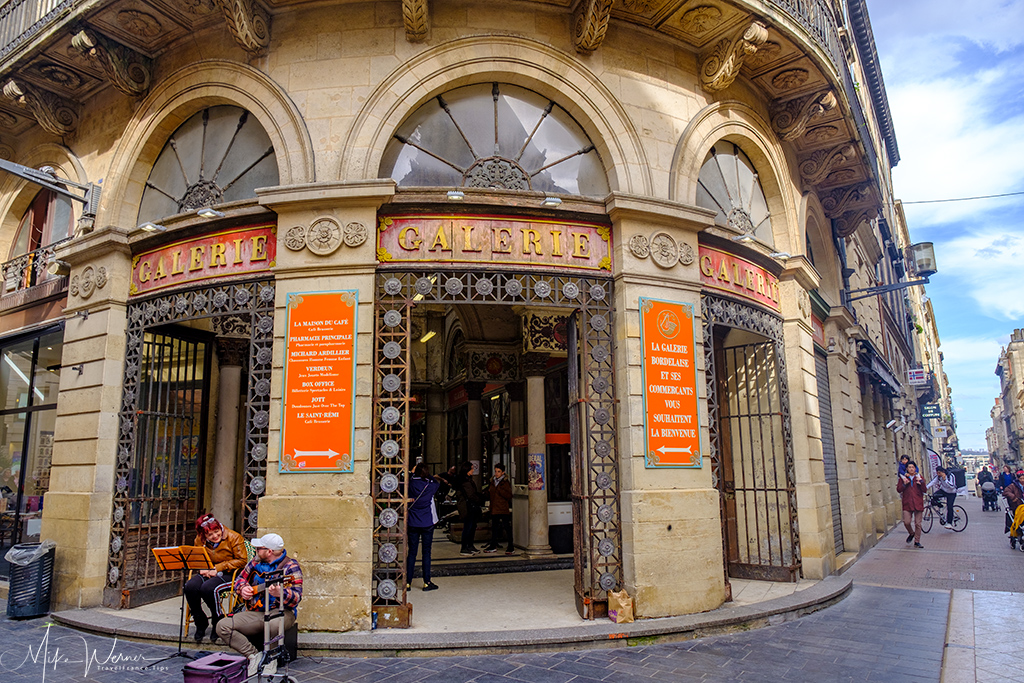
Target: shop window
(494, 135)
(221, 154)
(729, 185)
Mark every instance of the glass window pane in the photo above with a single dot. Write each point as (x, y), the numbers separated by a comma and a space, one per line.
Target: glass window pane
(47, 371)
(15, 370)
(12, 436)
(62, 216)
(36, 463)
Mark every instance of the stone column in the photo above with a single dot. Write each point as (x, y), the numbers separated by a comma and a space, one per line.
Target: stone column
(437, 437)
(474, 425)
(230, 352)
(534, 365)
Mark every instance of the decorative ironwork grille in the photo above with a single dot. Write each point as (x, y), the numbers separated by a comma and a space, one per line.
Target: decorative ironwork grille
(742, 445)
(254, 300)
(596, 515)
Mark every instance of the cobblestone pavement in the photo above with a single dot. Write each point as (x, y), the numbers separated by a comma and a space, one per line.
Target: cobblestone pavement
(894, 630)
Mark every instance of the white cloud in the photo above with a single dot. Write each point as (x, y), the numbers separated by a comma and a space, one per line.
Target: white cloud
(986, 264)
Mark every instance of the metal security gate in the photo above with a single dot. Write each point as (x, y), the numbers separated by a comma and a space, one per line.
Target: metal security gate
(161, 506)
(752, 457)
(828, 447)
(151, 506)
(596, 518)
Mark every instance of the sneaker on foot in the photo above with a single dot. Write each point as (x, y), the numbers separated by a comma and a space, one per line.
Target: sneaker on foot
(490, 550)
(918, 545)
(947, 526)
(428, 586)
(910, 537)
(468, 553)
(510, 552)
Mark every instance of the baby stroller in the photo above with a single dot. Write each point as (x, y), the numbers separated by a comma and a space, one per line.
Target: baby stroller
(989, 497)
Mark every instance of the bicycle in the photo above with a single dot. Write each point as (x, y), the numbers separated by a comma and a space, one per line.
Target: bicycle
(936, 509)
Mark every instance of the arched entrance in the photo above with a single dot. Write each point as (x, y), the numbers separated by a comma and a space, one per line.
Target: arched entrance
(586, 300)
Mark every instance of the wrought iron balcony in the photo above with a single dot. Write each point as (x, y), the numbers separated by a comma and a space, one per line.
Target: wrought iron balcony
(26, 279)
(21, 20)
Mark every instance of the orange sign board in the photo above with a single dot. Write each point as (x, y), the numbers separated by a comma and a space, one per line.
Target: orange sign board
(233, 252)
(494, 239)
(739, 277)
(319, 382)
(671, 430)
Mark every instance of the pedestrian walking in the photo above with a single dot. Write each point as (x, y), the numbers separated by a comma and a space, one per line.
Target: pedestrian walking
(912, 489)
(422, 519)
(470, 504)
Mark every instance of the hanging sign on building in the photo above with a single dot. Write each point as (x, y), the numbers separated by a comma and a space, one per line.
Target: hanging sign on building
(671, 431)
(917, 376)
(931, 411)
(739, 277)
(243, 251)
(494, 239)
(319, 382)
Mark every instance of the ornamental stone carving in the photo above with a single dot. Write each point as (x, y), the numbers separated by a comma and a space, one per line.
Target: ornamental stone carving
(843, 199)
(686, 254)
(55, 114)
(847, 224)
(6, 152)
(791, 118)
(61, 76)
(664, 250)
(803, 301)
(790, 79)
(642, 6)
(90, 279)
(232, 352)
(722, 64)
(355, 234)
(416, 14)
(639, 245)
(768, 52)
(295, 238)
(139, 23)
(590, 24)
(7, 121)
(324, 236)
(818, 165)
(700, 20)
(127, 70)
(249, 24)
(821, 134)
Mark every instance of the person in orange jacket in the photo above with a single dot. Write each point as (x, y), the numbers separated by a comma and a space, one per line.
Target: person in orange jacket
(226, 549)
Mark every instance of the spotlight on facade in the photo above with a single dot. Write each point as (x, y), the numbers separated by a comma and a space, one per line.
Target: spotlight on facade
(428, 336)
(781, 255)
(551, 201)
(745, 238)
(207, 212)
(456, 195)
(152, 227)
(58, 267)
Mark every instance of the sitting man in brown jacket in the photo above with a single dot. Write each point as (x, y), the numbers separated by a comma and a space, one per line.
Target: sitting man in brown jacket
(501, 511)
(226, 549)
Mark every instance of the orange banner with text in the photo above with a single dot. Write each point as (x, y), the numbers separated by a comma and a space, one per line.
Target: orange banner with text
(232, 252)
(319, 382)
(671, 430)
(739, 277)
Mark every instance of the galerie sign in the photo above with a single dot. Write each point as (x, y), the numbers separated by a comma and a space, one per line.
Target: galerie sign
(319, 382)
(233, 252)
(739, 277)
(494, 239)
(671, 432)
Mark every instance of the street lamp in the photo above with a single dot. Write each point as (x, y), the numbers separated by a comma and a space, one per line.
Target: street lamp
(923, 257)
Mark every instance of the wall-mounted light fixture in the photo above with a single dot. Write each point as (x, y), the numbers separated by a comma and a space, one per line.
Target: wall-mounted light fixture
(745, 238)
(550, 201)
(428, 336)
(831, 344)
(923, 257)
(80, 367)
(207, 212)
(781, 255)
(149, 226)
(83, 314)
(456, 195)
(58, 267)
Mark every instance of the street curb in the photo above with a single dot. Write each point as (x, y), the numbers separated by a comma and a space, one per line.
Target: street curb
(589, 635)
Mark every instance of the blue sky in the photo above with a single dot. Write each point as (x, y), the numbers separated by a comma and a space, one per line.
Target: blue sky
(953, 73)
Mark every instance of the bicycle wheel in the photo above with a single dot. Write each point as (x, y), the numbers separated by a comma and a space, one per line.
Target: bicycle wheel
(959, 518)
(928, 519)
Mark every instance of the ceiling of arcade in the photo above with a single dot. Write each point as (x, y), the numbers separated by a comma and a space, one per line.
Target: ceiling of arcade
(788, 50)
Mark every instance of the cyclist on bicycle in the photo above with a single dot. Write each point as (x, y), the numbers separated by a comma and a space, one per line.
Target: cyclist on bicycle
(944, 488)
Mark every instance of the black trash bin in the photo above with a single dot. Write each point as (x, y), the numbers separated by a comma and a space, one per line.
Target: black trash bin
(30, 586)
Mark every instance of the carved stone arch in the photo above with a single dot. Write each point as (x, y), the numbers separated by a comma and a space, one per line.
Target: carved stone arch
(506, 59)
(18, 194)
(817, 229)
(185, 92)
(736, 122)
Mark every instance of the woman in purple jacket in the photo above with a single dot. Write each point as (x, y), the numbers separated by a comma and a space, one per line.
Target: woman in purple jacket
(422, 518)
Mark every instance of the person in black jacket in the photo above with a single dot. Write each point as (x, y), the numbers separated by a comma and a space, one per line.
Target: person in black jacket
(470, 507)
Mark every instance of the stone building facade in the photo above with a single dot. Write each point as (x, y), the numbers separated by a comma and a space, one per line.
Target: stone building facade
(504, 206)
(1007, 430)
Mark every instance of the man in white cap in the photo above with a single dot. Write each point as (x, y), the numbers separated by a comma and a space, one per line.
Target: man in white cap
(270, 557)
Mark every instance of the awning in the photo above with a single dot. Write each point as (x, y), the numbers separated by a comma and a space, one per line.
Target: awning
(877, 370)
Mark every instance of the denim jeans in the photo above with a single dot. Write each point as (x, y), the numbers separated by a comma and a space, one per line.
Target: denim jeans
(416, 533)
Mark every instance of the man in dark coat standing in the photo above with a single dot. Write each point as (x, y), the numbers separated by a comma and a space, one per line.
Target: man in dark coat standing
(501, 511)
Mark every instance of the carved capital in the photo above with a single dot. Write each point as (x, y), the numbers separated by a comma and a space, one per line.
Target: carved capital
(846, 224)
(843, 199)
(722, 64)
(54, 113)
(416, 14)
(249, 23)
(791, 118)
(534, 364)
(127, 70)
(590, 23)
(232, 351)
(816, 167)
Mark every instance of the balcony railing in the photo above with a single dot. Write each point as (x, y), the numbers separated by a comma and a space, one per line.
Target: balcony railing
(21, 20)
(26, 279)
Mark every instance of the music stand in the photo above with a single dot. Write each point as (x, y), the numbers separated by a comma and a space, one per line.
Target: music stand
(181, 558)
